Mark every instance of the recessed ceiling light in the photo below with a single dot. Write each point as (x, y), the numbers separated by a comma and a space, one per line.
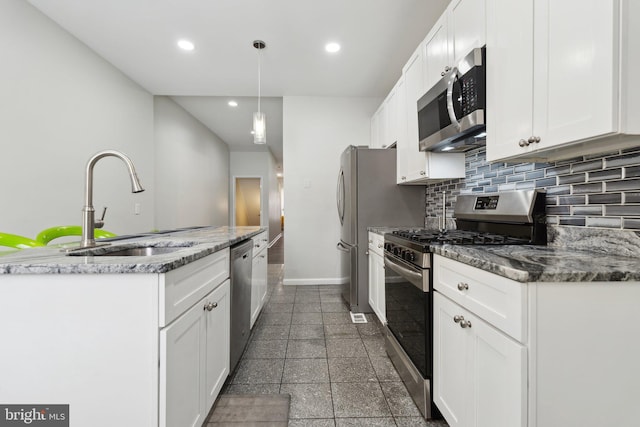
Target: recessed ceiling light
(332, 47)
(233, 104)
(185, 45)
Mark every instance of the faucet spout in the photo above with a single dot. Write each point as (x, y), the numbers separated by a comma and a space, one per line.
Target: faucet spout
(88, 212)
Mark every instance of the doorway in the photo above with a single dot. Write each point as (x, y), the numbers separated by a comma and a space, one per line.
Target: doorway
(248, 201)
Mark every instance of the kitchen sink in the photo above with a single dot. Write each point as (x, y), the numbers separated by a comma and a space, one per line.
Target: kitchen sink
(129, 251)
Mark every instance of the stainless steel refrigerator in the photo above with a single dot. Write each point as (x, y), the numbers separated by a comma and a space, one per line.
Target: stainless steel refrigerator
(367, 195)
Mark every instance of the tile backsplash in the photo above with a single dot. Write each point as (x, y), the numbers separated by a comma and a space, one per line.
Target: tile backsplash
(590, 191)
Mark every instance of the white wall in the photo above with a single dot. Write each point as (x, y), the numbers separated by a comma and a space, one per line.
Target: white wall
(59, 104)
(192, 170)
(316, 131)
(260, 165)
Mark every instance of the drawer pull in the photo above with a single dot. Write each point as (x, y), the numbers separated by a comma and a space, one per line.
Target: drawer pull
(465, 324)
(210, 306)
(463, 286)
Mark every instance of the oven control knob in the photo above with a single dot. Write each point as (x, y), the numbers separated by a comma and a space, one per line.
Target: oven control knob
(396, 251)
(388, 246)
(410, 256)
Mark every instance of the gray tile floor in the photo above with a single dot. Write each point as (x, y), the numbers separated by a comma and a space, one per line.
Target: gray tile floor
(337, 373)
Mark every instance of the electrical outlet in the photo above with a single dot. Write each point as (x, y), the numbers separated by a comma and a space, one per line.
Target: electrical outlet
(136, 209)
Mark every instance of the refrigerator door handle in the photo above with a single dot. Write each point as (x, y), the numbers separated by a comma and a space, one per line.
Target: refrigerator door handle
(341, 247)
(340, 196)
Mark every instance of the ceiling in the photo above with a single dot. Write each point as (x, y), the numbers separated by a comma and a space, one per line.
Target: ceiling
(139, 37)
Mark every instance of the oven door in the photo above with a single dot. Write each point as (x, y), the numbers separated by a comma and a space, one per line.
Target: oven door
(407, 303)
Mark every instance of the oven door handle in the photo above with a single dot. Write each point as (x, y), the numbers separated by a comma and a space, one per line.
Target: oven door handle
(412, 274)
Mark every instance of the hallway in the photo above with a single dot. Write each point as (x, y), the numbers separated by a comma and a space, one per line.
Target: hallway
(337, 373)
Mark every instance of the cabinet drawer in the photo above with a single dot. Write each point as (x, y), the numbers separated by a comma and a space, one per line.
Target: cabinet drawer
(184, 286)
(260, 243)
(499, 301)
(376, 243)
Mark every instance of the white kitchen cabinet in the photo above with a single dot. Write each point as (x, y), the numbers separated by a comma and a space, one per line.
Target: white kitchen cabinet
(418, 167)
(259, 275)
(533, 352)
(572, 91)
(376, 276)
(479, 372)
(459, 30)
(194, 360)
(479, 362)
(384, 122)
(375, 141)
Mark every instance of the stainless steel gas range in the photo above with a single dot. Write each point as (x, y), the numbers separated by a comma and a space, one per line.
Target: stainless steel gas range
(509, 218)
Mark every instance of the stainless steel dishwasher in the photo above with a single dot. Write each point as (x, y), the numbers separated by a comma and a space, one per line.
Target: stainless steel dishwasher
(241, 257)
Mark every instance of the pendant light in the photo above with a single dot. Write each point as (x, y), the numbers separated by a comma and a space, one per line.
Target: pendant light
(259, 119)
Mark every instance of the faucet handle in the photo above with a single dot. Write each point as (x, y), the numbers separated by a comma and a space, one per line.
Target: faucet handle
(99, 223)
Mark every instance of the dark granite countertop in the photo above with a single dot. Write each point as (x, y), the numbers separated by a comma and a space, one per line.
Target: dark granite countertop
(194, 244)
(530, 263)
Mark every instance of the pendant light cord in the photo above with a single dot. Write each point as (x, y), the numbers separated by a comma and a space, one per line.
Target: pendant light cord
(259, 55)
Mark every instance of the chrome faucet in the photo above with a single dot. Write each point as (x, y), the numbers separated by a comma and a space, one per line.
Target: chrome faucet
(88, 212)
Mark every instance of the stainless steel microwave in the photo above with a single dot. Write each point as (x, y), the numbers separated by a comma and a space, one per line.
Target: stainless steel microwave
(451, 115)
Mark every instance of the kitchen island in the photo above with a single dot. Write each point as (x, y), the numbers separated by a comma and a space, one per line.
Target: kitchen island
(123, 340)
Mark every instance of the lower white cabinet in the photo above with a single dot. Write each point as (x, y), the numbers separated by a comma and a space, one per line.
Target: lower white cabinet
(479, 372)
(376, 276)
(259, 275)
(194, 360)
(534, 354)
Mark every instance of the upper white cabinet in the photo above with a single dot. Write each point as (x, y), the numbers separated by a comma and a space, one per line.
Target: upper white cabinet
(460, 29)
(415, 166)
(384, 122)
(571, 92)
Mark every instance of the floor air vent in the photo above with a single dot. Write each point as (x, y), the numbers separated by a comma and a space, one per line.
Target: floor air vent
(358, 318)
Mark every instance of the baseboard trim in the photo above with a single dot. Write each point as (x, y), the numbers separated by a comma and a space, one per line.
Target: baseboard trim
(303, 282)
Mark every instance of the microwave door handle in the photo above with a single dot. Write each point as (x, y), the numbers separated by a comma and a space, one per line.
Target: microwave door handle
(452, 114)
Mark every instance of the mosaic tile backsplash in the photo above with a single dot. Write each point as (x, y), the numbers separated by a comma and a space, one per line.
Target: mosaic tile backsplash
(590, 191)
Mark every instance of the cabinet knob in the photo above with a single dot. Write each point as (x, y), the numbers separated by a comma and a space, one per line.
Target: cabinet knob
(370, 241)
(536, 139)
(463, 286)
(403, 178)
(210, 306)
(379, 245)
(523, 143)
(442, 73)
(423, 173)
(261, 256)
(457, 318)
(384, 145)
(465, 324)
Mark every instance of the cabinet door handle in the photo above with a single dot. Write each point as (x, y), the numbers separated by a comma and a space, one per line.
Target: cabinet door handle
(210, 306)
(463, 286)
